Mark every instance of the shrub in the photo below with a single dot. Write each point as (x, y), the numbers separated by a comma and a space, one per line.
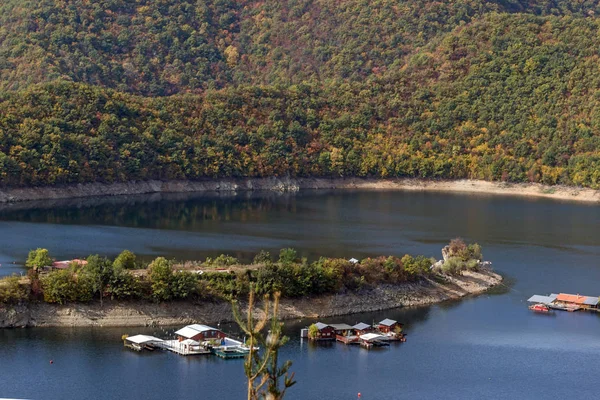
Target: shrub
(453, 265)
(472, 264)
(11, 290)
(416, 266)
(288, 255)
(184, 284)
(263, 257)
(475, 251)
(456, 246)
(224, 260)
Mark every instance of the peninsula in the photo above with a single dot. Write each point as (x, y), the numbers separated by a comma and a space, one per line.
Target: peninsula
(124, 292)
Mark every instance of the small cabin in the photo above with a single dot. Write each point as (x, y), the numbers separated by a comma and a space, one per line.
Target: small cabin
(585, 302)
(361, 328)
(388, 326)
(325, 332)
(199, 333)
(342, 329)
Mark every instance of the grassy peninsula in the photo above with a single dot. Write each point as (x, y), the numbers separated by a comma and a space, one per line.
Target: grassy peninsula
(125, 292)
(119, 91)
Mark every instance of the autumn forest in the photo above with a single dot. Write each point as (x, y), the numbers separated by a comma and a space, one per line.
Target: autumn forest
(118, 90)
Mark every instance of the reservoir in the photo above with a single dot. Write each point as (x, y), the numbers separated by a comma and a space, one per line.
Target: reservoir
(486, 347)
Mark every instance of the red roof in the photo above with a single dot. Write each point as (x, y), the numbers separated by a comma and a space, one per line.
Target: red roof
(66, 263)
(571, 298)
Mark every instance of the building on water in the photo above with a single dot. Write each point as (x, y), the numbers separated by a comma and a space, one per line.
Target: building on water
(567, 302)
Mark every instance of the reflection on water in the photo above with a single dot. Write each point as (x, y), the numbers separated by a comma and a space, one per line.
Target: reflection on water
(484, 347)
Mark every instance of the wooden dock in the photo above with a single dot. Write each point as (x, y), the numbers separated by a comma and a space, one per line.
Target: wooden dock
(230, 353)
(183, 349)
(347, 339)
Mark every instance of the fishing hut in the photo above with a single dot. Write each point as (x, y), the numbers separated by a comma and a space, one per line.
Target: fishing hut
(324, 332)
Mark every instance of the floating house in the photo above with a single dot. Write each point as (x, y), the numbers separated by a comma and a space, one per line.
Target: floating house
(342, 329)
(325, 332)
(567, 302)
(388, 326)
(193, 339)
(142, 342)
(369, 340)
(361, 328)
(584, 302)
(199, 333)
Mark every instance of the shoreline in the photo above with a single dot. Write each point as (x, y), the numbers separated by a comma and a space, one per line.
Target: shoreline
(132, 314)
(88, 190)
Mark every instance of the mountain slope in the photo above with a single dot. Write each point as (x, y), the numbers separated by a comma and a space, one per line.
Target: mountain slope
(466, 89)
(170, 46)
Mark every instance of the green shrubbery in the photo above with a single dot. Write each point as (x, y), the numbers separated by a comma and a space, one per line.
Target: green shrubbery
(167, 284)
(294, 277)
(461, 257)
(12, 291)
(163, 280)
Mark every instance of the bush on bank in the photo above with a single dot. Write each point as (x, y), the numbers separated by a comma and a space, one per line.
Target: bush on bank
(161, 280)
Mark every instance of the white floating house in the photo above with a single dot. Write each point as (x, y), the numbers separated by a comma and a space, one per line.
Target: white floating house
(141, 342)
(200, 333)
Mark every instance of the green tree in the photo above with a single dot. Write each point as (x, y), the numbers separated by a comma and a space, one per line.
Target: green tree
(125, 260)
(100, 272)
(161, 279)
(38, 258)
(184, 284)
(313, 331)
(262, 369)
(287, 256)
(59, 287)
(122, 285)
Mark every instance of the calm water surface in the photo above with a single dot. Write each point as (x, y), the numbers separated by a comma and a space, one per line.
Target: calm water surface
(486, 347)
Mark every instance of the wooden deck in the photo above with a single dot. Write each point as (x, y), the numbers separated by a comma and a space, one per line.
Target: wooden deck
(177, 347)
(347, 339)
(228, 354)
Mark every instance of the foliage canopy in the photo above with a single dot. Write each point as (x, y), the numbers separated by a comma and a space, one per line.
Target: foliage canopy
(495, 90)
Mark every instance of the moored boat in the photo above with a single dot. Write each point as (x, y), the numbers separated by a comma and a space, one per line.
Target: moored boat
(539, 308)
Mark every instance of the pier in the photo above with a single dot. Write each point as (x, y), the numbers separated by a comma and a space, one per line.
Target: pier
(184, 348)
(191, 340)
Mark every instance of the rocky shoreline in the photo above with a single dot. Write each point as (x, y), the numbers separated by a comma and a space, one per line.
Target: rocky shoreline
(126, 314)
(287, 184)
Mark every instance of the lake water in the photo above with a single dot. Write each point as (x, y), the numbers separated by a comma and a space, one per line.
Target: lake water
(488, 347)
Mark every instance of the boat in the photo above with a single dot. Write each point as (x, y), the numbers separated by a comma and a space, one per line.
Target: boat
(539, 308)
(228, 352)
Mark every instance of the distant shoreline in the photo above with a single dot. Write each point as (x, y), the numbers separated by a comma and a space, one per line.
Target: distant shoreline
(141, 313)
(529, 190)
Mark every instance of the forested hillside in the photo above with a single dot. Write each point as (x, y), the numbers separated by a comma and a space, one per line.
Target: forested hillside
(115, 90)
